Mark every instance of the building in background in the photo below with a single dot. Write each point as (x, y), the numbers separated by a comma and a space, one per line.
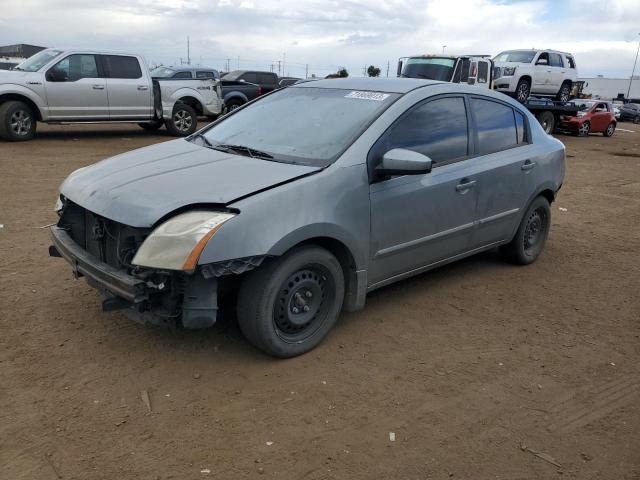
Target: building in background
(611, 88)
(11, 55)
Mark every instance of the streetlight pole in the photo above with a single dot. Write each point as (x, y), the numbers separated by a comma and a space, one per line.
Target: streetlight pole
(443, 47)
(634, 70)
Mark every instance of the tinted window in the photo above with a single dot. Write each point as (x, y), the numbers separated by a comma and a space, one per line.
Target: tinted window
(250, 77)
(266, 78)
(437, 129)
(122, 67)
(520, 126)
(73, 68)
(555, 60)
(205, 75)
(483, 72)
(572, 63)
(495, 124)
(182, 75)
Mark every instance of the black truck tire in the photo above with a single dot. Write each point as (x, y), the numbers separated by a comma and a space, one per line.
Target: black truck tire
(548, 121)
(564, 94)
(288, 305)
(233, 104)
(183, 121)
(528, 242)
(17, 121)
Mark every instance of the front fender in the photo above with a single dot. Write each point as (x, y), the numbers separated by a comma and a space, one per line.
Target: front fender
(236, 94)
(15, 89)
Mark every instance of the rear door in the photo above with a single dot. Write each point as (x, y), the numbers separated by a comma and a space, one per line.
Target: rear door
(541, 82)
(76, 89)
(506, 177)
(558, 71)
(420, 220)
(129, 89)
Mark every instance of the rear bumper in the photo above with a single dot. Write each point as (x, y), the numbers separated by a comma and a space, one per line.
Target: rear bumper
(115, 281)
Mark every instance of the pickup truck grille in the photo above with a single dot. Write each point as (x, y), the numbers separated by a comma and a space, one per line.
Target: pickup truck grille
(111, 242)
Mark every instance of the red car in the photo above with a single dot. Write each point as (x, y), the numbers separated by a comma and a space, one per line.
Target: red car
(594, 116)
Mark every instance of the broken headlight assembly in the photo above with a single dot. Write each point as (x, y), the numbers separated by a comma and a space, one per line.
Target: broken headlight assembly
(508, 71)
(177, 243)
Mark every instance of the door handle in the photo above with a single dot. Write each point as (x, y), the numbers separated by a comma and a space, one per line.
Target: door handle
(527, 165)
(143, 87)
(98, 87)
(465, 185)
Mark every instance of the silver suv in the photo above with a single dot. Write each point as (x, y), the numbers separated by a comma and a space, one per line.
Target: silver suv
(371, 181)
(521, 73)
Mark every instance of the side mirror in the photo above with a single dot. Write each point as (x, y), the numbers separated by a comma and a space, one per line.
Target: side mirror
(542, 61)
(55, 75)
(400, 161)
(399, 68)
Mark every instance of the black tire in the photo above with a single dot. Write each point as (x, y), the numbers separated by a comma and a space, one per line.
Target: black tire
(523, 90)
(17, 121)
(548, 121)
(152, 126)
(610, 130)
(183, 121)
(287, 306)
(584, 129)
(528, 242)
(636, 119)
(233, 104)
(564, 94)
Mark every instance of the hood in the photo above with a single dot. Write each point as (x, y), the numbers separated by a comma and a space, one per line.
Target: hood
(11, 76)
(140, 187)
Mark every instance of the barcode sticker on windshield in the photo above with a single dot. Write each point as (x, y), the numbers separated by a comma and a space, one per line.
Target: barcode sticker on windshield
(376, 96)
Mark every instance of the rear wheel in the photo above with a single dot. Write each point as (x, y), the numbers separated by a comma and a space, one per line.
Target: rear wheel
(183, 121)
(233, 104)
(287, 306)
(532, 233)
(636, 119)
(17, 121)
(565, 92)
(153, 125)
(610, 130)
(523, 90)
(584, 129)
(548, 121)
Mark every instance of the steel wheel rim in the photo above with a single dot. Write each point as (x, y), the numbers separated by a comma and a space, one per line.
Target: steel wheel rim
(523, 92)
(20, 123)
(182, 120)
(303, 302)
(584, 128)
(535, 232)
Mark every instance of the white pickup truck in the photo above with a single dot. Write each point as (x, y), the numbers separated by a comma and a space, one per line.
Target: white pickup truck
(87, 86)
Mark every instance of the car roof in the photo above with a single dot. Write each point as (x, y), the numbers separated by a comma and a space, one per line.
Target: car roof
(536, 50)
(182, 68)
(389, 85)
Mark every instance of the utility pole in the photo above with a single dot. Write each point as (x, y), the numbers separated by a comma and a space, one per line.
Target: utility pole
(284, 57)
(387, 68)
(188, 53)
(238, 62)
(228, 64)
(306, 71)
(633, 72)
(279, 68)
(443, 47)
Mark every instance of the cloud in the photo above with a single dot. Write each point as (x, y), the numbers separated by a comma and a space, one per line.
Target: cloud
(325, 34)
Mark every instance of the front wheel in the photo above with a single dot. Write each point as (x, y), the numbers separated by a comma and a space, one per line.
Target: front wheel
(523, 90)
(584, 130)
(532, 234)
(183, 121)
(636, 119)
(565, 93)
(288, 305)
(17, 121)
(548, 121)
(610, 130)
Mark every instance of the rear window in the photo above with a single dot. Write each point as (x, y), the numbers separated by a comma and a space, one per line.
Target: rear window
(182, 75)
(555, 60)
(119, 66)
(266, 78)
(204, 74)
(496, 126)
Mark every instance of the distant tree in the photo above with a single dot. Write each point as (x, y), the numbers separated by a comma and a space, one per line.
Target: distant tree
(373, 71)
(342, 73)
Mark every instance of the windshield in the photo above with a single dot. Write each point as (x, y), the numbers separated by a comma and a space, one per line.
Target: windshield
(431, 68)
(162, 72)
(583, 105)
(516, 56)
(310, 126)
(39, 60)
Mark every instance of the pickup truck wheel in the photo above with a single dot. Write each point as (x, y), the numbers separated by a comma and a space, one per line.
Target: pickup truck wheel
(152, 125)
(532, 234)
(288, 305)
(610, 130)
(565, 92)
(636, 119)
(548, 121)
(17, 121)
(523, 90)
(233, 104)
(183, 121)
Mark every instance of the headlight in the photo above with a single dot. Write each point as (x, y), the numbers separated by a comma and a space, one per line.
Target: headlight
(508, 71)
(178, 242)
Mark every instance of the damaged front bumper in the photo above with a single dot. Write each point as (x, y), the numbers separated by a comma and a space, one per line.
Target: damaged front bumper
(192, 300)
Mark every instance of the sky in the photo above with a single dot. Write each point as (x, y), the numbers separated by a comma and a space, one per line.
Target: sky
(317, 36)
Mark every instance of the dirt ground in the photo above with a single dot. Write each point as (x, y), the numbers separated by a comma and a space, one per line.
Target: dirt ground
(475, 367)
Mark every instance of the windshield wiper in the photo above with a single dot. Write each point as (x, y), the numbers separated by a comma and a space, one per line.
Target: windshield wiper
(204, 139)
(252, 152)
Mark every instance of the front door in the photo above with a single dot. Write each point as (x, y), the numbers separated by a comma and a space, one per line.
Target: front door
(420, 220)
(76, 90)
(507, 169)
(130, 94)
(600, 117)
